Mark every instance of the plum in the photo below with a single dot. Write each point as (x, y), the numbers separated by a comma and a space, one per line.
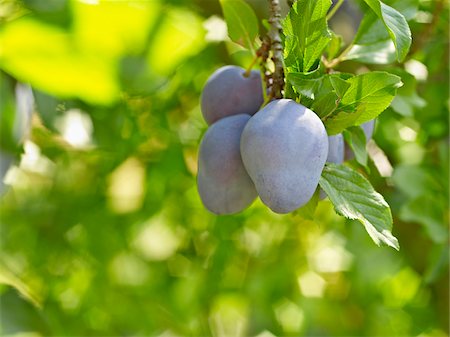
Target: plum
(223, 183)
(284, 148)
(335, 149)
(368, 128)
(228, 92)
(335, 154)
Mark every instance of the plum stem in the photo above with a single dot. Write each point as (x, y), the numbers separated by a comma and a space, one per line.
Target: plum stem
(334, 9)
(250, 67)
(277, 49)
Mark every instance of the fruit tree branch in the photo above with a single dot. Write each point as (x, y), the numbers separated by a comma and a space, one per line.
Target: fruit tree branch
(277, 48)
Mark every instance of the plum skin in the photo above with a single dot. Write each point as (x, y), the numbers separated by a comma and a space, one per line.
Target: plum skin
(368, 128)
(228, 92)
(336, 151)
(284, 148)
(223, 183)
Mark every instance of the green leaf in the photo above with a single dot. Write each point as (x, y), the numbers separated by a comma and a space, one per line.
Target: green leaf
(179, 35)
(305, 83)
(407, 100)
(356, 139)
(241, 21)
(9, 278)
(414, 181)
(330, 93)
(334, 46)
(308, 210)
(382, 52)
(368, 95)
(325, 103)
(306, 34)
(407, 7)
(47, 55)
(371, 89)
(373, 44)
(429, 211)
(354, 197)
(7, 113)
(396, 26)
(321, 92)
(339, 83)
(438, 264)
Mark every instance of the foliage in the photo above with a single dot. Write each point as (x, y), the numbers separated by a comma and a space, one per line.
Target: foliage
(102, 228)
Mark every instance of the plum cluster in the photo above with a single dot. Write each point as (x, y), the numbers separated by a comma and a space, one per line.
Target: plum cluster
(277, 152)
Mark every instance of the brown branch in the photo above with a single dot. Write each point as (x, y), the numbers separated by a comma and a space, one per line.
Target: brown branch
(277, 49)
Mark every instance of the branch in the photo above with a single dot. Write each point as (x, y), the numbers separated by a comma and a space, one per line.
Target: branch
(277, 48)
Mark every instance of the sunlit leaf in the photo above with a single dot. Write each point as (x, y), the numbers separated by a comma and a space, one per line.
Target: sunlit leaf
(396, 26)
(368, 95)
(114, 28)
(354, 197)
(306, 33)
(241, 21)
(48, 60)
(179, 35)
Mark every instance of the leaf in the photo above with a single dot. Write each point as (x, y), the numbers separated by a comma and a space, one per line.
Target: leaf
(306, 34)
(429, 211)
(407, 100)
(308, 210)
(334, 46)
(414, 181)
(356, 139)
(330, 93)
(438, 264)
(372, 88)
(7, 114)
(241, 21)
(396, 26)
(407, 7)
(368, 95)
(322, 91)
(48, 55)
(179, 35)
(9, 278)
(339, 83)
(372, 43)
(325, 104)
(305, 83)
(354, 198)
(382, 52)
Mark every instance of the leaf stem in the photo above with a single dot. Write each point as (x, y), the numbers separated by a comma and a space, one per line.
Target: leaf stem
(334, 62)
(334, 9)
(277, 49)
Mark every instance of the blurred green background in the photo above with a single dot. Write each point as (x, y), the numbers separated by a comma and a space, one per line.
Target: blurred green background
(103, 232)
